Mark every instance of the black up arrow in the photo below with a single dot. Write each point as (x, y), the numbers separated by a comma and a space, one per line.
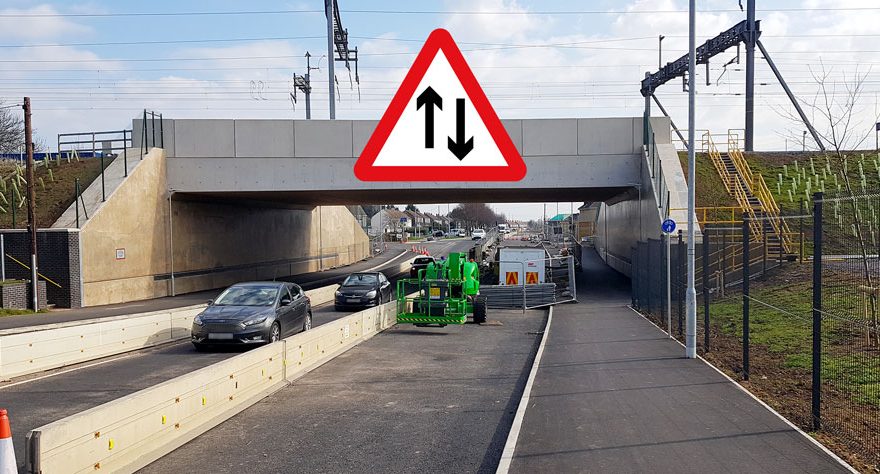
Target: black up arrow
(429, 98)
(459, 147)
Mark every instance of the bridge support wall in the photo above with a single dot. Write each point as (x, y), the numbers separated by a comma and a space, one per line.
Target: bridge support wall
(130, 247)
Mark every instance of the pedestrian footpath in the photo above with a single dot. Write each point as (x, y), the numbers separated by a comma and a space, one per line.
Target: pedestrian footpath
(614, 394)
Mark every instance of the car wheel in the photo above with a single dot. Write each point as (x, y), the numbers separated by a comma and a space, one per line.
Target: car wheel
(337, 308)
(200, 347)
(307, 324)
(275, 332)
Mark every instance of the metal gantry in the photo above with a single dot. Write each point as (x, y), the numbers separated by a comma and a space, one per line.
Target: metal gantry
(337, 39)
(747, 32)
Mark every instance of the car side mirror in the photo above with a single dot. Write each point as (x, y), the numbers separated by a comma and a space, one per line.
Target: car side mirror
(210, 302)
(285, 301)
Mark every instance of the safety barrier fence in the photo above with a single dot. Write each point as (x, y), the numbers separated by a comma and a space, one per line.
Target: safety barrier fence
(517, 291)
(128, 433)
(802, 332)
(32, 349)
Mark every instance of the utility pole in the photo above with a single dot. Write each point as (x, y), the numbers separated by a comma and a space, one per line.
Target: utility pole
(691, 333)
(31, 219)
(304, 83)
(751, 38)
(331, 74)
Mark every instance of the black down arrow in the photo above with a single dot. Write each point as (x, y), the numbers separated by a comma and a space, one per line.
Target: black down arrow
(459, 147)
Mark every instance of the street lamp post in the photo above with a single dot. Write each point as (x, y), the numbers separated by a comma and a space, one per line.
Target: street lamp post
(691, 335)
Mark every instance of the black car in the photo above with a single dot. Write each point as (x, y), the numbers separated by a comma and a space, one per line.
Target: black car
(253, 313)
(363, 289)
(420, 263)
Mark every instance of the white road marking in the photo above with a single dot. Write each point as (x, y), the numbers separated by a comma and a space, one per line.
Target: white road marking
(386, 263)
(513, 436)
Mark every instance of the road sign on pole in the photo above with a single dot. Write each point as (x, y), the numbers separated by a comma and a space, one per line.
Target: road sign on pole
(440, 126)
(668, 226)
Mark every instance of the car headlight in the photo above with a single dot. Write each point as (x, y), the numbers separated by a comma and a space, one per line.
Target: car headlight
(198, 320)
(371, 294)
(338, 293)
(255, 321)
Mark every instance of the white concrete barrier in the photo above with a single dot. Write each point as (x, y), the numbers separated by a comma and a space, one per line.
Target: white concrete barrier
(34, 349)
(126, 434)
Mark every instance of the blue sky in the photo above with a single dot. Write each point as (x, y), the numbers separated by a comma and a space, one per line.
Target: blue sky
(592, 69)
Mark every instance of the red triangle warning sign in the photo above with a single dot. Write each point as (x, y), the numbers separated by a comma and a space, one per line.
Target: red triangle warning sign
(440, 126)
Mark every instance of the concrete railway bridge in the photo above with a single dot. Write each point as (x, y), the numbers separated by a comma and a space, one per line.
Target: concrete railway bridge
(232, 200)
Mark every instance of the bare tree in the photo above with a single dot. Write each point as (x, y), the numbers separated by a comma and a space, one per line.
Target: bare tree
(838, 115)
(11, 129)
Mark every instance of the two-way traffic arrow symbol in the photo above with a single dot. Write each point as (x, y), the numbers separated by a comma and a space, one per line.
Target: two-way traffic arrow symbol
(459, 147)
(429, 98)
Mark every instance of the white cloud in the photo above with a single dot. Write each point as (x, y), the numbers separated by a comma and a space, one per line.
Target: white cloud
(48, 25)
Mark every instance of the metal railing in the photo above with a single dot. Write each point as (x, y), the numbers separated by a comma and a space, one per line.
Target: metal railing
(658, 180)
(148, 134)
(101, 144)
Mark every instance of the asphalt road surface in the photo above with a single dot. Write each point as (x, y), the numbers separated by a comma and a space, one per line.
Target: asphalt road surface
(408, 400)
(36, 400)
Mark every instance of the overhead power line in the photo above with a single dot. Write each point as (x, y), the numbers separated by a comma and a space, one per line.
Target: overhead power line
(421, 12)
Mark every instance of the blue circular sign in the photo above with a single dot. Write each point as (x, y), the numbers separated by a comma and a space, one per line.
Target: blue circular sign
(668, 226)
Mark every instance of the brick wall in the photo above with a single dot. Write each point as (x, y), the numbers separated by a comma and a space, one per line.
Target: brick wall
(58, 260)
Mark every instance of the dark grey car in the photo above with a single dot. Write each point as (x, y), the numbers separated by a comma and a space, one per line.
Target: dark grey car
(363, 289)
(253, 313)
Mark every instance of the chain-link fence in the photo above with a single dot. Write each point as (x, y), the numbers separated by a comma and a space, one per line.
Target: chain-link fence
(798, 324)
(848, 404)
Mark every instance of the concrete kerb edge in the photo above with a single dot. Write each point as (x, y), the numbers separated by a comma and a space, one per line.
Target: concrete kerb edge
(785, 420)
(513, 436)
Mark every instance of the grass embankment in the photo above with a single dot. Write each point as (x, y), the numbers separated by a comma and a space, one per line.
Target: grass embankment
(53, 195)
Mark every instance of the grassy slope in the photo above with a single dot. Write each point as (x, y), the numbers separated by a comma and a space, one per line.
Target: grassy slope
(56, 197)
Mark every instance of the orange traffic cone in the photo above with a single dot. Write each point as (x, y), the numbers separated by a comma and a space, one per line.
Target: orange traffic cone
(7, 454)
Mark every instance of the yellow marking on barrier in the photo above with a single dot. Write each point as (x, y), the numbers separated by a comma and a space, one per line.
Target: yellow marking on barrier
(164, 419)
(204, 401)
(110, 445)
(38, 273)
(263, 372)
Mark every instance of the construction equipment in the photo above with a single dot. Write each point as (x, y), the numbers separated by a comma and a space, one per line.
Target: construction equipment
(445, 292)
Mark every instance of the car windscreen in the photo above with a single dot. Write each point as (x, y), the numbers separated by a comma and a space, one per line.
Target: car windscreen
(422, 261)
(247, 296)
(361, 279)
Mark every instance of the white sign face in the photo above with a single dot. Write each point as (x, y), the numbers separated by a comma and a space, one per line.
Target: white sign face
(440, 126)
(120, 254)
(411, 132)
